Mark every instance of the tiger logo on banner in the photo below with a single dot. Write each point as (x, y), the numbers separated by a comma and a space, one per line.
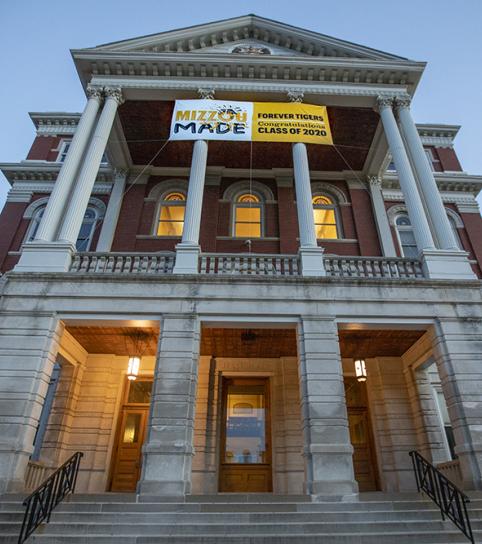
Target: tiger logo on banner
(250, 121)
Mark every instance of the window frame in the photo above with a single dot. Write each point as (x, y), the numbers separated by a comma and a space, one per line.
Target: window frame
(335, 207)
(260, 205)
(163, 202)
(63, 150)
(406, 228)
(432, 159)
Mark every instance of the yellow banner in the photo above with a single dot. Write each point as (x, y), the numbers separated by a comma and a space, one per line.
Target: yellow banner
(290, 122)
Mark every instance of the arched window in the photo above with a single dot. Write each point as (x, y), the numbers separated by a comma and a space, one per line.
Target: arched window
(87, 229)
(455, 223)
(325, 217)
(406, 237)
(171, 214)
(248, 216)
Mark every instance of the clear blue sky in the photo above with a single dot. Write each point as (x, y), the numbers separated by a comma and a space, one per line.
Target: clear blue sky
(38, 73)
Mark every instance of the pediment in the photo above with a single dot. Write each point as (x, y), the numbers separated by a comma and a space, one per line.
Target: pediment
(251, 32)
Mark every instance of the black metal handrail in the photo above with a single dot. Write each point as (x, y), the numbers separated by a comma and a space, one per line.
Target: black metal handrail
(446, 495)
(47, 496)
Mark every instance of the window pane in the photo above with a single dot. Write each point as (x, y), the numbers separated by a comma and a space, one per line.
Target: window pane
(322, 200)
(403, 220)
(85, 230)
(326, 231)
(132, 428)
(175, 213)
(82, 244)
(407, 237)
(139, 391)
(248, 198)
(170, 228)
(250, 215)
(324, 216)
(245, 425)
(248, 230)
(410, 252)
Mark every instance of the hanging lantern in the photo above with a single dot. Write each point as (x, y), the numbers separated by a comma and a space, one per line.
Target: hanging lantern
(360, 370)
(133, 367)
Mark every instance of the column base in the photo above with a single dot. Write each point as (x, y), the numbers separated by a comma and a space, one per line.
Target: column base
(45, 257)
(311, 261)
(187, 259)
(442, 264)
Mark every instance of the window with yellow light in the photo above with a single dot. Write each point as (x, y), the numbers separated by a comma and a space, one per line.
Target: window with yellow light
(171, 215)
(324, 214)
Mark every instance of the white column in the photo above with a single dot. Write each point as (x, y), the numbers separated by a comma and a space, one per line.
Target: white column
(112, 213)
(86, 179)
(327, 447)
(428, 185)
(55, 207)
(381, 219)
(311, 256)
(187, 252)
(415, 208)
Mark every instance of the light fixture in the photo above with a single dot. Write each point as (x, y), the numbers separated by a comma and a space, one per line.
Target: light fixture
(360, 370)
(133, 367)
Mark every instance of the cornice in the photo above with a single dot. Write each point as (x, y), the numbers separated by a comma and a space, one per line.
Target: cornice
(465, 202)
(232, 67)
(346, 89)
(22, 191)
(42, 171)
(53, 123)
(446, 181)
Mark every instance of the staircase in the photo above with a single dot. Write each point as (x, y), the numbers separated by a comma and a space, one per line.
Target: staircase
(241, 519)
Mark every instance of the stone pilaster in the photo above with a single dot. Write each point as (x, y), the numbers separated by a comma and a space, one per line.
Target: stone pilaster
(381, 219)
(168, 451)
(28, 348)
(327, 448)
(457, 347)
(112, 213)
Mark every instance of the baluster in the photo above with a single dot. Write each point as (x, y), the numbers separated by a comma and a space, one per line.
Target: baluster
(92, 263)
(74, 267)
(144, 264)
(84, 264)
(277, 262)
(236, 264)
(260, 266)
(394, 269)
(295, 266)
(119, 261)
(376, 268)
(203, 264)
(152, 267)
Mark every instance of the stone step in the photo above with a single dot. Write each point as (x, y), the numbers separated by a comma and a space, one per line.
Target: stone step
(242, 517)
(447, 537)
(153, 529)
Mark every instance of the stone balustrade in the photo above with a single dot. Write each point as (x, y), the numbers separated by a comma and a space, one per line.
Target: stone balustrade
(123, 263)
(249, 263)
(373, 267)
(255, 264)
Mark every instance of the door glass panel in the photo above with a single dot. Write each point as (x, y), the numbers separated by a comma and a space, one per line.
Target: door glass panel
(245, 425)
(132, 428)
(139, 392)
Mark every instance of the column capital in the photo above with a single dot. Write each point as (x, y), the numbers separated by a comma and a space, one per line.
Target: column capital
(120, 173)
(115, 93)
(375, 181)
(206, 93)
(295, 96)
(93, 91)
(402, 101)
(384, 102)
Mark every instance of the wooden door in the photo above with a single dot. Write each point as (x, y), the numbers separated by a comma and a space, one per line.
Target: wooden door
(364, 460)
(126, 464)
(245, 464)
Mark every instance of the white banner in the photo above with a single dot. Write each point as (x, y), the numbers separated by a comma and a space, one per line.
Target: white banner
(212, 120)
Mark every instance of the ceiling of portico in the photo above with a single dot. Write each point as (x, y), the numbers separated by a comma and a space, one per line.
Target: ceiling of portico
(146, 125)
(115, 340)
